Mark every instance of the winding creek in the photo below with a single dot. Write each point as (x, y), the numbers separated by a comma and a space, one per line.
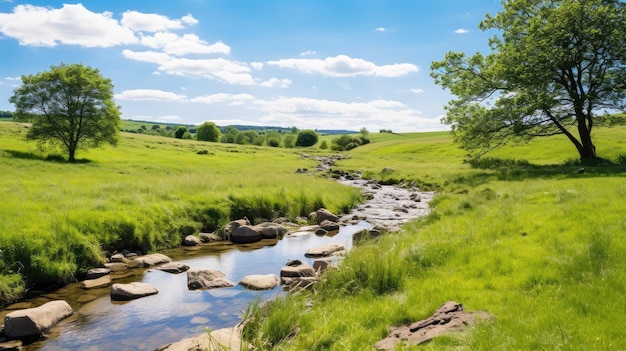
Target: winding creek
(176, 312)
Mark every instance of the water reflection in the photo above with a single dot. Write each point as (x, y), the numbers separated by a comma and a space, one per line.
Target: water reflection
(175, 312)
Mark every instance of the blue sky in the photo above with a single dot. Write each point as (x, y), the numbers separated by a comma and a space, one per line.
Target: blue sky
(324, 64)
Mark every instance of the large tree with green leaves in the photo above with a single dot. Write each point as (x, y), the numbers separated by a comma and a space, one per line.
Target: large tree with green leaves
(553, 68)
(71, 105)
(208, 131)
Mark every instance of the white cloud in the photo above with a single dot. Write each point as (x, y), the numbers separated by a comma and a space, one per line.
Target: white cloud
(149, 95)
(13, 78)
(461, 31)
(227, 71)
(70, 25)
(417, 91)
(152, 22)
(275, 82)
(257, 65)
(380, 29)
(308, 53)
(345, 66)
(173, 44)
(232, 99)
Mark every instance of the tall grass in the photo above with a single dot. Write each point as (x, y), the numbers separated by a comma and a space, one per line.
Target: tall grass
(524, 236)
(56, 218)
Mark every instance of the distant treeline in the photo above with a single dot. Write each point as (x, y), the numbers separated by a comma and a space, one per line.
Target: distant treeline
(6, 114)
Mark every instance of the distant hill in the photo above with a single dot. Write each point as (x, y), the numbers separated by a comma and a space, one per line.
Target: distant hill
(134, 124)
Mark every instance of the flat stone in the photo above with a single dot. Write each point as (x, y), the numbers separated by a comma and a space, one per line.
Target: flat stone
(96, 273)
(11, 345)
(149, 260)
(117, 258)
(324, 250)
(173, 267)
(116, 266)
(260, 281)
(125, 292)
(297, 271)
(209, 237)
(101, 282)
(207, 279)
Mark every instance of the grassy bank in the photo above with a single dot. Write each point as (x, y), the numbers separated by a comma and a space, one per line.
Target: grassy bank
(146, 194)
(522, 235)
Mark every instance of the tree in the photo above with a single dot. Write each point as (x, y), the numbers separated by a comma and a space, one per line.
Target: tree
(208, 131)
(306, 138)
(69, 105)
(179, 133)
(553, 67)
(364, 132)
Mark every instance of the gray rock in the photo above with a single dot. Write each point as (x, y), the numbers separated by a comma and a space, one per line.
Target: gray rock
(320, 265)
(149, 260)
(191, 240)
(325, 215)
(118, 257)
(125, 292)
(35, 322)
(207, 279)
(448, 318)
(260, 281)
(230, 227)
(296, 271)
(221, 339)
(329, 226)
(116, 266)
(101, 282)
(173, 267)
(208, 237)
(270, 230)
(324, 250)
(245, 235)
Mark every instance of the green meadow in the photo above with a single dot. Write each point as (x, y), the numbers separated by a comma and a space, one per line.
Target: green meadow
(521, 234)
(57, 218)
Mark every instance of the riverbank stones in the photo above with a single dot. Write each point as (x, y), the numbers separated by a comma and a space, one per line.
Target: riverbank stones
(35, 322)
(207, 279)
(260, 281)
(136, 290)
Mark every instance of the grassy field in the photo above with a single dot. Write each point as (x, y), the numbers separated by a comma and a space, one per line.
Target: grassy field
(146, 194)
(522, 235)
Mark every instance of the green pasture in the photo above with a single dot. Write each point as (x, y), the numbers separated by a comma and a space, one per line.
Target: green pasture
(56, 218)
(521, 234)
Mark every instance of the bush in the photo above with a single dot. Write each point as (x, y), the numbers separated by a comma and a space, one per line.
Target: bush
(180, 132)
(324, 145)
(208, 131)
(273, 142)
(289, 141)
(306, 138)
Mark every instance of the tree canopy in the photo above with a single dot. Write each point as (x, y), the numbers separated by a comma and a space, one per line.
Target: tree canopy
(306, 138)
(208, 131)
(71, 105)
(554, 66)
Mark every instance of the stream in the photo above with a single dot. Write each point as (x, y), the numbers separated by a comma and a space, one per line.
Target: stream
(177, 312)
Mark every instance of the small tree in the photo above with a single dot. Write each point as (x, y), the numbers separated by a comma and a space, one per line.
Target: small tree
(306, 138)
(180, 132)
(364, 133)
(289, 141)
(69, 105)
(208, 131)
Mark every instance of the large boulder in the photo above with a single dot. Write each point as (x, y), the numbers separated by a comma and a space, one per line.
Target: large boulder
(35, 322)
(260, 281)
(125, 292)
(198, 278)
(269, 230)
(230, 227)
(324, 250)
(245, 235)
(329, 226)
(149, 260)
(325, 215)
(191, 240)
(296, 269)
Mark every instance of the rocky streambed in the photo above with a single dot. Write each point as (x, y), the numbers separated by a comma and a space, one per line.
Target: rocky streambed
(144, 305)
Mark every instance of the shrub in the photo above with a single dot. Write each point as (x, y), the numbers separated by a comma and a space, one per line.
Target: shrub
(306, 138)
(289, 141)
(208, 131)
(180, 132)
(273, 142)
(324, 145)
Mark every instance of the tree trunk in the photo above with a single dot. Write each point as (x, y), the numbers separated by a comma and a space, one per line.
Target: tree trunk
(586, 149)
(72, 152)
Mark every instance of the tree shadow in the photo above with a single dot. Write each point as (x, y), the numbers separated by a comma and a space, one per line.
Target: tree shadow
(47, 158)
(518, 170)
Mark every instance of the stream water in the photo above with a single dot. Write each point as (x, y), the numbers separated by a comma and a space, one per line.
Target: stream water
(176, 312)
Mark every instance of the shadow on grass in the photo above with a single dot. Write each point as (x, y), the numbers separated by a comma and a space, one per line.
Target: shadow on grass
(48, 158)
(516, 170)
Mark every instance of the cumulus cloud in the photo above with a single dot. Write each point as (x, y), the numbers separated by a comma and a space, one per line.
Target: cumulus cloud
(257, 65)
(308, 53)
(152, 22)
(417, 90)
(149, 95)
(275, 82)
(380, 29)
(227, 71)
(461, 31)
(72, 24)
(345, 66)
(231, 99)
(174, 44)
